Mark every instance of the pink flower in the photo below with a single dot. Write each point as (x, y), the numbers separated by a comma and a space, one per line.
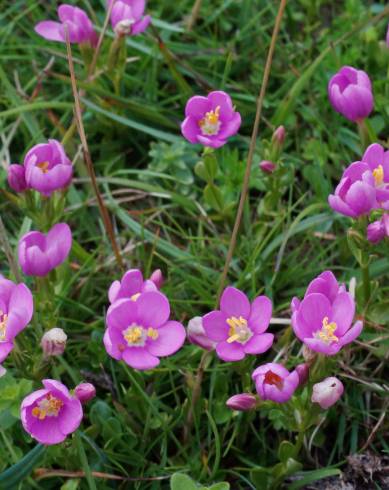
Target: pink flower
(267, 166)
(16, 178)
(322, 320)
(39, 253)
(378, 230)
(210, 120)
(127, 17)
(303, 372)
(139, 332)
(238, 327)
(197, 335)
(80, 27)
(16, 309)
(350, 93)
(47, 168)
(328, 392)
(242, 402)
(157, 278)
(279, 135)
(131, 286)
(49, 415)
(376, 160)
(85, 392)
(274, 382)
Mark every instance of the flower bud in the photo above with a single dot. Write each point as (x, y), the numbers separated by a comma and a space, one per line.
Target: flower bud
(85, 392)
(53, 342)
(242, 402)
(16, 178)
(157, 278)
(267, 166)
(124, 27)
(197, 335)
(327, 392)
(2, 371)
(303, 372)
(279, 135)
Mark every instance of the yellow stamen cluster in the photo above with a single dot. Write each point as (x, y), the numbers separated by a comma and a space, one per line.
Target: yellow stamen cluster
(239, 330)
(3, 325)
(210, 123)
(326, 334)
(135, 335)
(44, 166)
(378, 174)
(48, 407)
(134, 297)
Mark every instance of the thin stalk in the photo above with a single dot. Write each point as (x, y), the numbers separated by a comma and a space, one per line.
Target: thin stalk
(84, 462)
(254, 135)
(87, 157)
(366, 283)
(194, 14)
(8, 252)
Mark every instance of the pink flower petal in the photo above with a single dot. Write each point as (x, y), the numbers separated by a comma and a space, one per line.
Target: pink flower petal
(235, 303)
(70, 416)
(343, 309)
(170, 339)
(153, 309)
(139, 358)
(190, 129)
(49, 30)
(197, 106)
(352, 334)
(230, 352)
(261, 310)
(259, 343)
(215, 325)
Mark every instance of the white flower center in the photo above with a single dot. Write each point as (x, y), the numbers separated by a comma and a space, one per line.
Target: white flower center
(136, 336)
(239, 330)
(210, 124)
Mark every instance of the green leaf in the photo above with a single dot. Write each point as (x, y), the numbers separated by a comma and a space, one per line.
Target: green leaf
(220, 486)
(213, 197)
(312, 476)
(10, 478)
(286, 450)
(179, 481)
(261, 478)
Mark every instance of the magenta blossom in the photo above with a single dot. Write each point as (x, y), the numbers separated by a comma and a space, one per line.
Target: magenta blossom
(47, 168)
(139, 332)
(16, 178)
(210, 120)
(131, 286)
(242, 402)
(378, 230)
(238, 327)
(376, 160)
(328, 392)
(16, 309)
(274, 382)
(79, 26)
(350, 93)
(356, 193)
(49, 415)
(127, 17)
(267, 166)
(39, 253)
(322, 320)
(197, 335)
(85, 392)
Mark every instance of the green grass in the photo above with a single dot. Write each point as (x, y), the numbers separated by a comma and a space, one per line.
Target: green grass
(134, 428)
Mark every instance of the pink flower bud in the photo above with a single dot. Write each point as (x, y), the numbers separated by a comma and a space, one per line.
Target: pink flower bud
(197, 335)
(303, 372)
(16, 178)
(157, 278)
(2, 371)
(267, 166)
(327, 392)
(279, 135)
(53, 342)
(242, 402)
(85, 392)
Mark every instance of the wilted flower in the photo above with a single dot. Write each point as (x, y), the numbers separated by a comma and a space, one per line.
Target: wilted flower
(131, 286)
(49, 415)
(85, 392)
(238, 327)
(3, 371)
(210, 120)
(127, 17)
(79, 26)
(139, 332)
(328, 392)
(274, 382)
(16, 309)
(322, 320)
(356, 193)
(40, 253)
(47, 168)
(16, 178)
(267, 166)
(350, 93)
(242, 402)
(303, 372)
(197, 335)
(378, 230)
(53, 342)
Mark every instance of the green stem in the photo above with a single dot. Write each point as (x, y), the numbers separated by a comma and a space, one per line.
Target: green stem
(366, 282)
(363, 133)
(84, 462)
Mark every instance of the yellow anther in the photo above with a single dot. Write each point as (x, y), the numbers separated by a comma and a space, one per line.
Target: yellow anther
(44, 166)
(378, 174)
(239, 330)
(3, 325)
(326, 334)
(210, 124)
(134, 297)
(48, 407)
(152, 333)
(133, 334)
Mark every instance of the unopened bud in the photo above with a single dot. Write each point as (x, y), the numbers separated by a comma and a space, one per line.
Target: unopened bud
(157, 278)
(279, 135)
(267, 166)
(197, 335)
(303, 372)
(85, 392)
(242, 402)
(124, 27)
(53, 342)
(328, 392)
(16, 178)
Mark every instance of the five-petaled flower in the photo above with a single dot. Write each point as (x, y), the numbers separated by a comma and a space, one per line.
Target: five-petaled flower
(238, 327)
(322, 320)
